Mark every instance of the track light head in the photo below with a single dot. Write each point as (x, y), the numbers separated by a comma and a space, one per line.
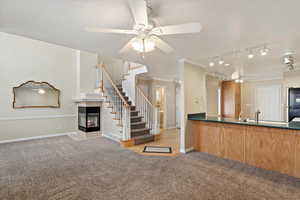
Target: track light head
(221, 61)
(250, 55)
(264, 51)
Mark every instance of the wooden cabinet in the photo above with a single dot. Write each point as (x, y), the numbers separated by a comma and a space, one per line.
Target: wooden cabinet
(272, 149)
(297, 156)
(233, 142)
(209, 139)
(230, 99)
(269, 148)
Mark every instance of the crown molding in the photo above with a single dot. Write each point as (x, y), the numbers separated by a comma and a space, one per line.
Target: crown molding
(153, 78)
(184, 60)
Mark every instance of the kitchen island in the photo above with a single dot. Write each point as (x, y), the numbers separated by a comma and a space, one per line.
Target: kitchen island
(272, 146)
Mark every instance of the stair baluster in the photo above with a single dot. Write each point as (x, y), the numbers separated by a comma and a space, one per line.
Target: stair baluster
(148, 110)
(120, 108)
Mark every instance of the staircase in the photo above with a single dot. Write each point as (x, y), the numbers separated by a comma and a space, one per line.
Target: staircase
(137, 121)
(140, 134)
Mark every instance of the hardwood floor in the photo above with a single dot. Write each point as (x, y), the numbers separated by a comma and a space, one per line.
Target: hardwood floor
(168, 138)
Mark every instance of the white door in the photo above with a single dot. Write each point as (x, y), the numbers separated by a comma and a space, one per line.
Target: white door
(268, 101)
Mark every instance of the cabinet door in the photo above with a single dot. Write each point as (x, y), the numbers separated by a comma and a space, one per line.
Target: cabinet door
(297, 169)
(233, 142)
(270, 148)
(209, 139)
(230, 99)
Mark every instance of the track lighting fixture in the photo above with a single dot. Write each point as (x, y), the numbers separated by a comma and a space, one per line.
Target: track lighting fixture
(250, 52)
(264, 51)
(250, 55)
(239, 80)
(221, 61)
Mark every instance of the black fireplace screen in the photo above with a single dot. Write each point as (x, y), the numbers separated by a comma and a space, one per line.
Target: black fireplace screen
(89, 119)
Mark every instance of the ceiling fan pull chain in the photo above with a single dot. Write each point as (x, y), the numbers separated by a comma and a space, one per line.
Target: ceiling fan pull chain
(144, 47)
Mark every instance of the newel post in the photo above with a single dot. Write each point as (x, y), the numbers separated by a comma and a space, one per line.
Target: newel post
(156, 129)
(126, 122)
(101, 82)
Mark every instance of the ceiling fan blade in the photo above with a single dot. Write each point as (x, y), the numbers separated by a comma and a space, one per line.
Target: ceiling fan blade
(108, 30)
(162, 45)
(139, 11)
(177, 29)
(127, 46)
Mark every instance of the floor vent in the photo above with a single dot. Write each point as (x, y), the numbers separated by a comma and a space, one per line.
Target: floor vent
(157, 149)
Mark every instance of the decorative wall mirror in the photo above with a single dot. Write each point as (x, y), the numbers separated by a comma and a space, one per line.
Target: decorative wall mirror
(34, 94)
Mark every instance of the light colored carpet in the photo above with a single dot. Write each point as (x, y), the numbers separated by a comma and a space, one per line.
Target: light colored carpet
(63, 169)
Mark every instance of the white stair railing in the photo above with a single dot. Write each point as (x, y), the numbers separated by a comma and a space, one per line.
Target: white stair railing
(120, 108)
(147, 110)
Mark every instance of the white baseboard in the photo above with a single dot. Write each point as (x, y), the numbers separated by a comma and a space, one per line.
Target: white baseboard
(172, 127)
(35, 137)
(37, 117)
(187, 150)
(111, 137)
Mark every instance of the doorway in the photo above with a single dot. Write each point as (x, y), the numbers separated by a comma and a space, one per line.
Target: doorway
(160, 101)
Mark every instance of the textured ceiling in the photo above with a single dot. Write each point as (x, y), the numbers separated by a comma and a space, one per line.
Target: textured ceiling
(227, 25)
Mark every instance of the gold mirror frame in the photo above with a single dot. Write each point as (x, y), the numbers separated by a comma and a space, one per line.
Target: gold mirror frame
(37, 83)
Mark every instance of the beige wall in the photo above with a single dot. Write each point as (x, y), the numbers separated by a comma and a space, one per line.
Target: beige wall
(148, 87)
(24, 59)
(115, 68)
(193, 80)
(88, 63)
(290, 79)
(248, 95)
(212, 89)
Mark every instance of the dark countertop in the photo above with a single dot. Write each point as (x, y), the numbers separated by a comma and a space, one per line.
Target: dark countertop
(202, 117)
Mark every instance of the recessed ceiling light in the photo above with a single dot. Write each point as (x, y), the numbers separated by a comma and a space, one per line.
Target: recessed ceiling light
(221, 62)
(227, 64)
(211, 64)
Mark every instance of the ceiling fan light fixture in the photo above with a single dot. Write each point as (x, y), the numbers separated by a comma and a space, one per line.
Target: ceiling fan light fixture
(149, 45)
(137, 45)
(143, 45)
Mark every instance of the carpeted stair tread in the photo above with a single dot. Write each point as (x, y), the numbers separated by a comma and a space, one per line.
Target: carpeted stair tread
(136, 117)
(142, 139)
(137, 123)
(140, 129)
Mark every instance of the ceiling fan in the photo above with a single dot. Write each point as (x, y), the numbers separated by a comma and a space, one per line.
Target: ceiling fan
(146, 34)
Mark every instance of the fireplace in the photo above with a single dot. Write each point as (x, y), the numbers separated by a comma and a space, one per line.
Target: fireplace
(89, 119)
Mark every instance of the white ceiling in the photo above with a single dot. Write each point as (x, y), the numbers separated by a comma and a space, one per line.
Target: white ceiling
(227, 25)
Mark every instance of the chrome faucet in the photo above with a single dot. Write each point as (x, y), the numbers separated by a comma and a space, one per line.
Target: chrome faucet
(257, 113)
(240, 116)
